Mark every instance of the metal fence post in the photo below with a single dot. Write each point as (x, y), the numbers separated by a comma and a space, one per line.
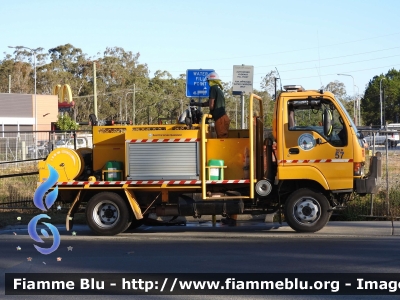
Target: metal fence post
(373, 153)
(387, 175)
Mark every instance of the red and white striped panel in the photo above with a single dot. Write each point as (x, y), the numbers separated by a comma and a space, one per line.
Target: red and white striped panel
(143, 182)
(162, 140)
(227, 181)
(312, 161)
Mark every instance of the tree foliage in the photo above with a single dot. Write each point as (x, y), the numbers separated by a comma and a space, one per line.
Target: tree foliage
(337, 88)
(371, 102)
(65, 122)
(126, 92)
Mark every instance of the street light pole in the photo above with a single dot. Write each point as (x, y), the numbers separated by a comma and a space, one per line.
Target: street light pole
(95, 89)
(34, 62)
(380, 98)
(236, 112)
(126, 107)
(133, 104)
(358, 106)
(33, 52)
(354, 108)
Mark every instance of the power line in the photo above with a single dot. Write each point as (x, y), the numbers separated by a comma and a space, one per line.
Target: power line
(280, 52)
(354, 71)
(340, 64)
(328, 74)
(314, 60)
(329, 58)
(106, 94)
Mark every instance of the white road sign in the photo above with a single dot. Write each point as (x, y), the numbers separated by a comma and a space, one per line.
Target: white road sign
(242, 79)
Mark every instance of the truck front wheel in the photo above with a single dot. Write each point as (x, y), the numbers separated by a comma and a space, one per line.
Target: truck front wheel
(307, 211)
(107, 214)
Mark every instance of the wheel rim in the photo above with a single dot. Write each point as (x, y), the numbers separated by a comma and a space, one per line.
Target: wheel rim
(307, 211)
(106, 214)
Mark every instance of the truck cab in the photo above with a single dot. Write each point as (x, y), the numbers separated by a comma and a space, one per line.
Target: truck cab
(320, 156)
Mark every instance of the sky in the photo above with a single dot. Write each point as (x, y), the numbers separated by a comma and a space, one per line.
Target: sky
(309, 42)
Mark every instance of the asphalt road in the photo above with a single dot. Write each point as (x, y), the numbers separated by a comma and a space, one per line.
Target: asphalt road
(250, 247)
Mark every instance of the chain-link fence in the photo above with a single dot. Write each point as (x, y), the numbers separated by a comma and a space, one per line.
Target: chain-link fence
(386, 203)
(17, 191)
(23, 145)
(19, 155)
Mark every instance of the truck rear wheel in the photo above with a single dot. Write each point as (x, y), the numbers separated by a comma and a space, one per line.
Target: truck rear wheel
(307, 211)
(107, 214)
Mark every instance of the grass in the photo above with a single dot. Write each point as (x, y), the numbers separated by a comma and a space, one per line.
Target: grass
(20, 187)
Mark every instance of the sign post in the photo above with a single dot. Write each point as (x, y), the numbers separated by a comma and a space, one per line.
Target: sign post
(242, 84)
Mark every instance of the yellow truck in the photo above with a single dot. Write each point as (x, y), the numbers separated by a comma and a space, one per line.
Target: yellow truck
(312, 163)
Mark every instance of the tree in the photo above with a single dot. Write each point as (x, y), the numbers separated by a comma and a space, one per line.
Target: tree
(65, 122)
(268, 85)
(371, 102)
(21, 69)
(337, 88)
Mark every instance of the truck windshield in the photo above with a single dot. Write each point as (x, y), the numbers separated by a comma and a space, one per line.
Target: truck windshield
(350, 119)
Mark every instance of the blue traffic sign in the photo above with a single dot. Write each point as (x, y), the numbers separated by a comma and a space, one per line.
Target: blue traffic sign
(196, 83)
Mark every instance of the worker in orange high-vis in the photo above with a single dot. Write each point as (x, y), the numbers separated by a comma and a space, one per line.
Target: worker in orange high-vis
(216, 102)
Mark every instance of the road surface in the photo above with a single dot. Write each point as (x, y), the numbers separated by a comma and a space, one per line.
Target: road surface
(200, 247)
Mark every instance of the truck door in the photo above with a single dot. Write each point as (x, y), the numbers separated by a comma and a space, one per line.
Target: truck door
(311, 153)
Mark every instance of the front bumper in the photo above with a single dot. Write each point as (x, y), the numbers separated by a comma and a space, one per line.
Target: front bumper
(369, 184)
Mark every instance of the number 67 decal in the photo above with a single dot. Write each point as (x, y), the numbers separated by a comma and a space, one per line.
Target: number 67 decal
(339, 153)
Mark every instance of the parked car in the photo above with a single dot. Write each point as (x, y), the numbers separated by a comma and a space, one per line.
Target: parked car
(380, 139)
(394, 137)
(81, 142)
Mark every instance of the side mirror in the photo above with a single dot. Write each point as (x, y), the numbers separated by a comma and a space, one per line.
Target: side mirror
(327, 122)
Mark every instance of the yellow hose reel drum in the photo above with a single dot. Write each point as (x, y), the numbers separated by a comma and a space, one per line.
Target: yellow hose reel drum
(65, 161)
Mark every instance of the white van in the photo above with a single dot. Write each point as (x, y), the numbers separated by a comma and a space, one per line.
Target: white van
(84, 141)
(393, 138)
(395, 126)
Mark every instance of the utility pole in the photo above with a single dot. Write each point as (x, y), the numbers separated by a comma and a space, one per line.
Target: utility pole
(380, 97)
(95, 90)
(242, 104)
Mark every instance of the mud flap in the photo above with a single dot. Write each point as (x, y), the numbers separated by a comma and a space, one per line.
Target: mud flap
(369, 184)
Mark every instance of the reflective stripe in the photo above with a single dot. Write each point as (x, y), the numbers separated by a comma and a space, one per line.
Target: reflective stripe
(143, 182)
(312, 161)
(162, 140)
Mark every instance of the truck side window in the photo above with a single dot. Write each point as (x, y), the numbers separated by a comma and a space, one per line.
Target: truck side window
(308, 117)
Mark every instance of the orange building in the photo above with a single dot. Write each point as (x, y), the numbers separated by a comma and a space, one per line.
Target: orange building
(17, 112)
